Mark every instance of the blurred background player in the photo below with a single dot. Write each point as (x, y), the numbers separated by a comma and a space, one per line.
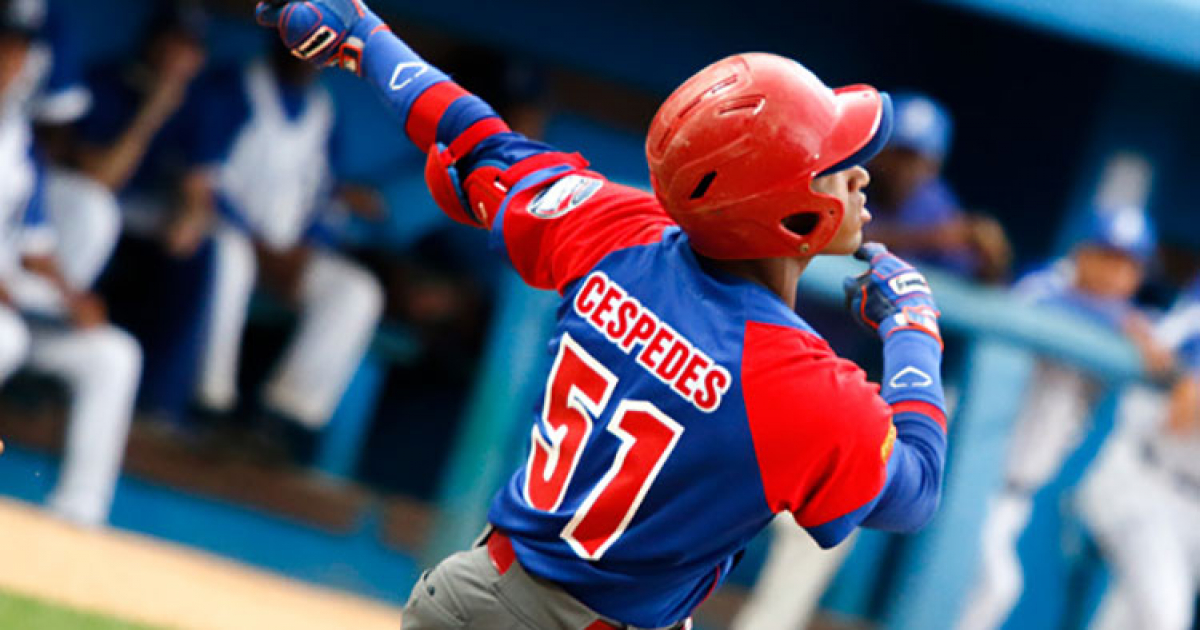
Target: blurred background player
(1141, 499)
(48, 320)
(137, 140)
(1097, 282)
(791, 582)
(269, 201)
(83, 211)
(916, 213)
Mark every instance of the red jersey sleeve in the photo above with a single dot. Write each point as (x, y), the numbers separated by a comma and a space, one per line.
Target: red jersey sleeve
(822, 434)
(558, 229)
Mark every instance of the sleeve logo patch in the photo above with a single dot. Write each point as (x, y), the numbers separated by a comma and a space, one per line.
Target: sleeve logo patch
(401, 77)
(563, 196)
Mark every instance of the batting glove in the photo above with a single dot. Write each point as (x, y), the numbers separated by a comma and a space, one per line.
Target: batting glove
(325, 32)
(890, 296)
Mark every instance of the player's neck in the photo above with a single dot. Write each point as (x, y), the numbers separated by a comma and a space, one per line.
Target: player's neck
(779, 275)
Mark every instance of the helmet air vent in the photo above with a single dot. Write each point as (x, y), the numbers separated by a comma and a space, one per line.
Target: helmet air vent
(702, 187)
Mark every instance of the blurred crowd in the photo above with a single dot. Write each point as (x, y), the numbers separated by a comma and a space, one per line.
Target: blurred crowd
(1140, 498)
(156, 206)
(148, 207)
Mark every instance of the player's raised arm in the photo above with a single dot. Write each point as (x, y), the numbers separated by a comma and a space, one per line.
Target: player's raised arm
(347, 34)
(893, 300)
(553, 218)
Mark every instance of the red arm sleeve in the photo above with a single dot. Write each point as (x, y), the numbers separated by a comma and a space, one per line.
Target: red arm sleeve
(821, 432)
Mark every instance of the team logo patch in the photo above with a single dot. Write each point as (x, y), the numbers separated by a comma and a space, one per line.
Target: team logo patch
(889, 443)
(563, 196)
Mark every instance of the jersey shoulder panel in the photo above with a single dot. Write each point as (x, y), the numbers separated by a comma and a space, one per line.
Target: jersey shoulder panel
(557, 230)
(821, 432)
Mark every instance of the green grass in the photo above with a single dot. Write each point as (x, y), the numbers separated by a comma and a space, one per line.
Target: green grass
(22, 613)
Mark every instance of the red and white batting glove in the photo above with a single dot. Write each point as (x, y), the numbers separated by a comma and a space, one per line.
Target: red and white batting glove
(325, 32)
(891, 296)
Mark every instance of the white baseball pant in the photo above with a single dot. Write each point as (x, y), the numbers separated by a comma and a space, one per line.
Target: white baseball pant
(1048, 429)
(1147, 524)
(340, 304)
(87, 222)
(101, 367)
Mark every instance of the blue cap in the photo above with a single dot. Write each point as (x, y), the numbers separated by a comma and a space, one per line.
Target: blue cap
(24, 18)
(1127, 229)
(921, 125)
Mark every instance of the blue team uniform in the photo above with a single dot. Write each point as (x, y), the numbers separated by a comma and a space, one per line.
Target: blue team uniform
(227, 112)
(1180, 329)
(1190, 350)
(1052, 286)
(685, 407)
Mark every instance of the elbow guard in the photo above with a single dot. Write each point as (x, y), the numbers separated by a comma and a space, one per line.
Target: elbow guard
(442, 177)
(475, 198)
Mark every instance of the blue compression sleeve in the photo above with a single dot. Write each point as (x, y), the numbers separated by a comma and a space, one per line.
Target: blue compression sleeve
(401, 77)
(910, 496)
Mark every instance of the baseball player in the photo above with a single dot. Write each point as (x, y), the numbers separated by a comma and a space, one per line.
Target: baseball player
(51, 92)
(46, 321)
(138, 139)
(1096, 283)
(272, 193)
(1141, 499)
(687, 403)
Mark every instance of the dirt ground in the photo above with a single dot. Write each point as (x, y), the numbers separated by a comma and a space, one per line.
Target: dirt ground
(149, 581)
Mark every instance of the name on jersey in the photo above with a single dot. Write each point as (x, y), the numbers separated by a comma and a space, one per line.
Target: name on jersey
(658, 348)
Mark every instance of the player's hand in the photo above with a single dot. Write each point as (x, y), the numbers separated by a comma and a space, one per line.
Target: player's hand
(325, 32)
(890, 296)
(182, 60)
(87, 310)
(1183, 413)
(186, 232)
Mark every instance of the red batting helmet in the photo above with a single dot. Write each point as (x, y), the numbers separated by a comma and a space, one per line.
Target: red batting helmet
(734, 150)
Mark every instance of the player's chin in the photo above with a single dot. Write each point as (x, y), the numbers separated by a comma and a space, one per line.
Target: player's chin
(844, 246)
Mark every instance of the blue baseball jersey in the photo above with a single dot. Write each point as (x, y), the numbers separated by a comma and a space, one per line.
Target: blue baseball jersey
(1189, 348)
(272, 143)
(1179, 329)
(685, 407)
(1053, 286)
